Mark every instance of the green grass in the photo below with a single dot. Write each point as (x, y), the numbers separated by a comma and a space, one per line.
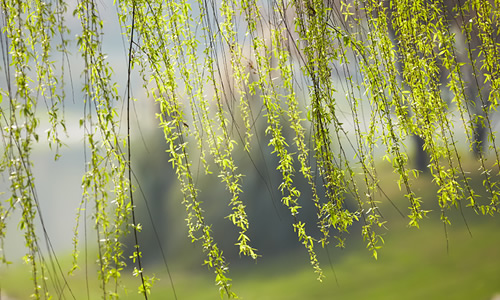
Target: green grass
(413, 264)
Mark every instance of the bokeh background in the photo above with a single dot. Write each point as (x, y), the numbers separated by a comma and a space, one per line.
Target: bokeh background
(461, 261)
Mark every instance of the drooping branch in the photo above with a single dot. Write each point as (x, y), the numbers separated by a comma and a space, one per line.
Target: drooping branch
(331, 81)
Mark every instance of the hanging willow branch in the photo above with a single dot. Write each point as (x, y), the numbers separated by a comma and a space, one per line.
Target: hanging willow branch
(423, 69)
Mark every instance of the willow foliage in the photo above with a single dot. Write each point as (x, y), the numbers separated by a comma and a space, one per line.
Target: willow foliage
(332, 80)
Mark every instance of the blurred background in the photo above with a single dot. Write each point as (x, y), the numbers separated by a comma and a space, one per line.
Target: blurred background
(461, 261)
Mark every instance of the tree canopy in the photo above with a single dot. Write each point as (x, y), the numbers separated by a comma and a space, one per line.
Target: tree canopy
(339, 84)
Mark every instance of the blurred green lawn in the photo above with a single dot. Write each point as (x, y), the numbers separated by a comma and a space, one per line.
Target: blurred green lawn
(413, 264)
